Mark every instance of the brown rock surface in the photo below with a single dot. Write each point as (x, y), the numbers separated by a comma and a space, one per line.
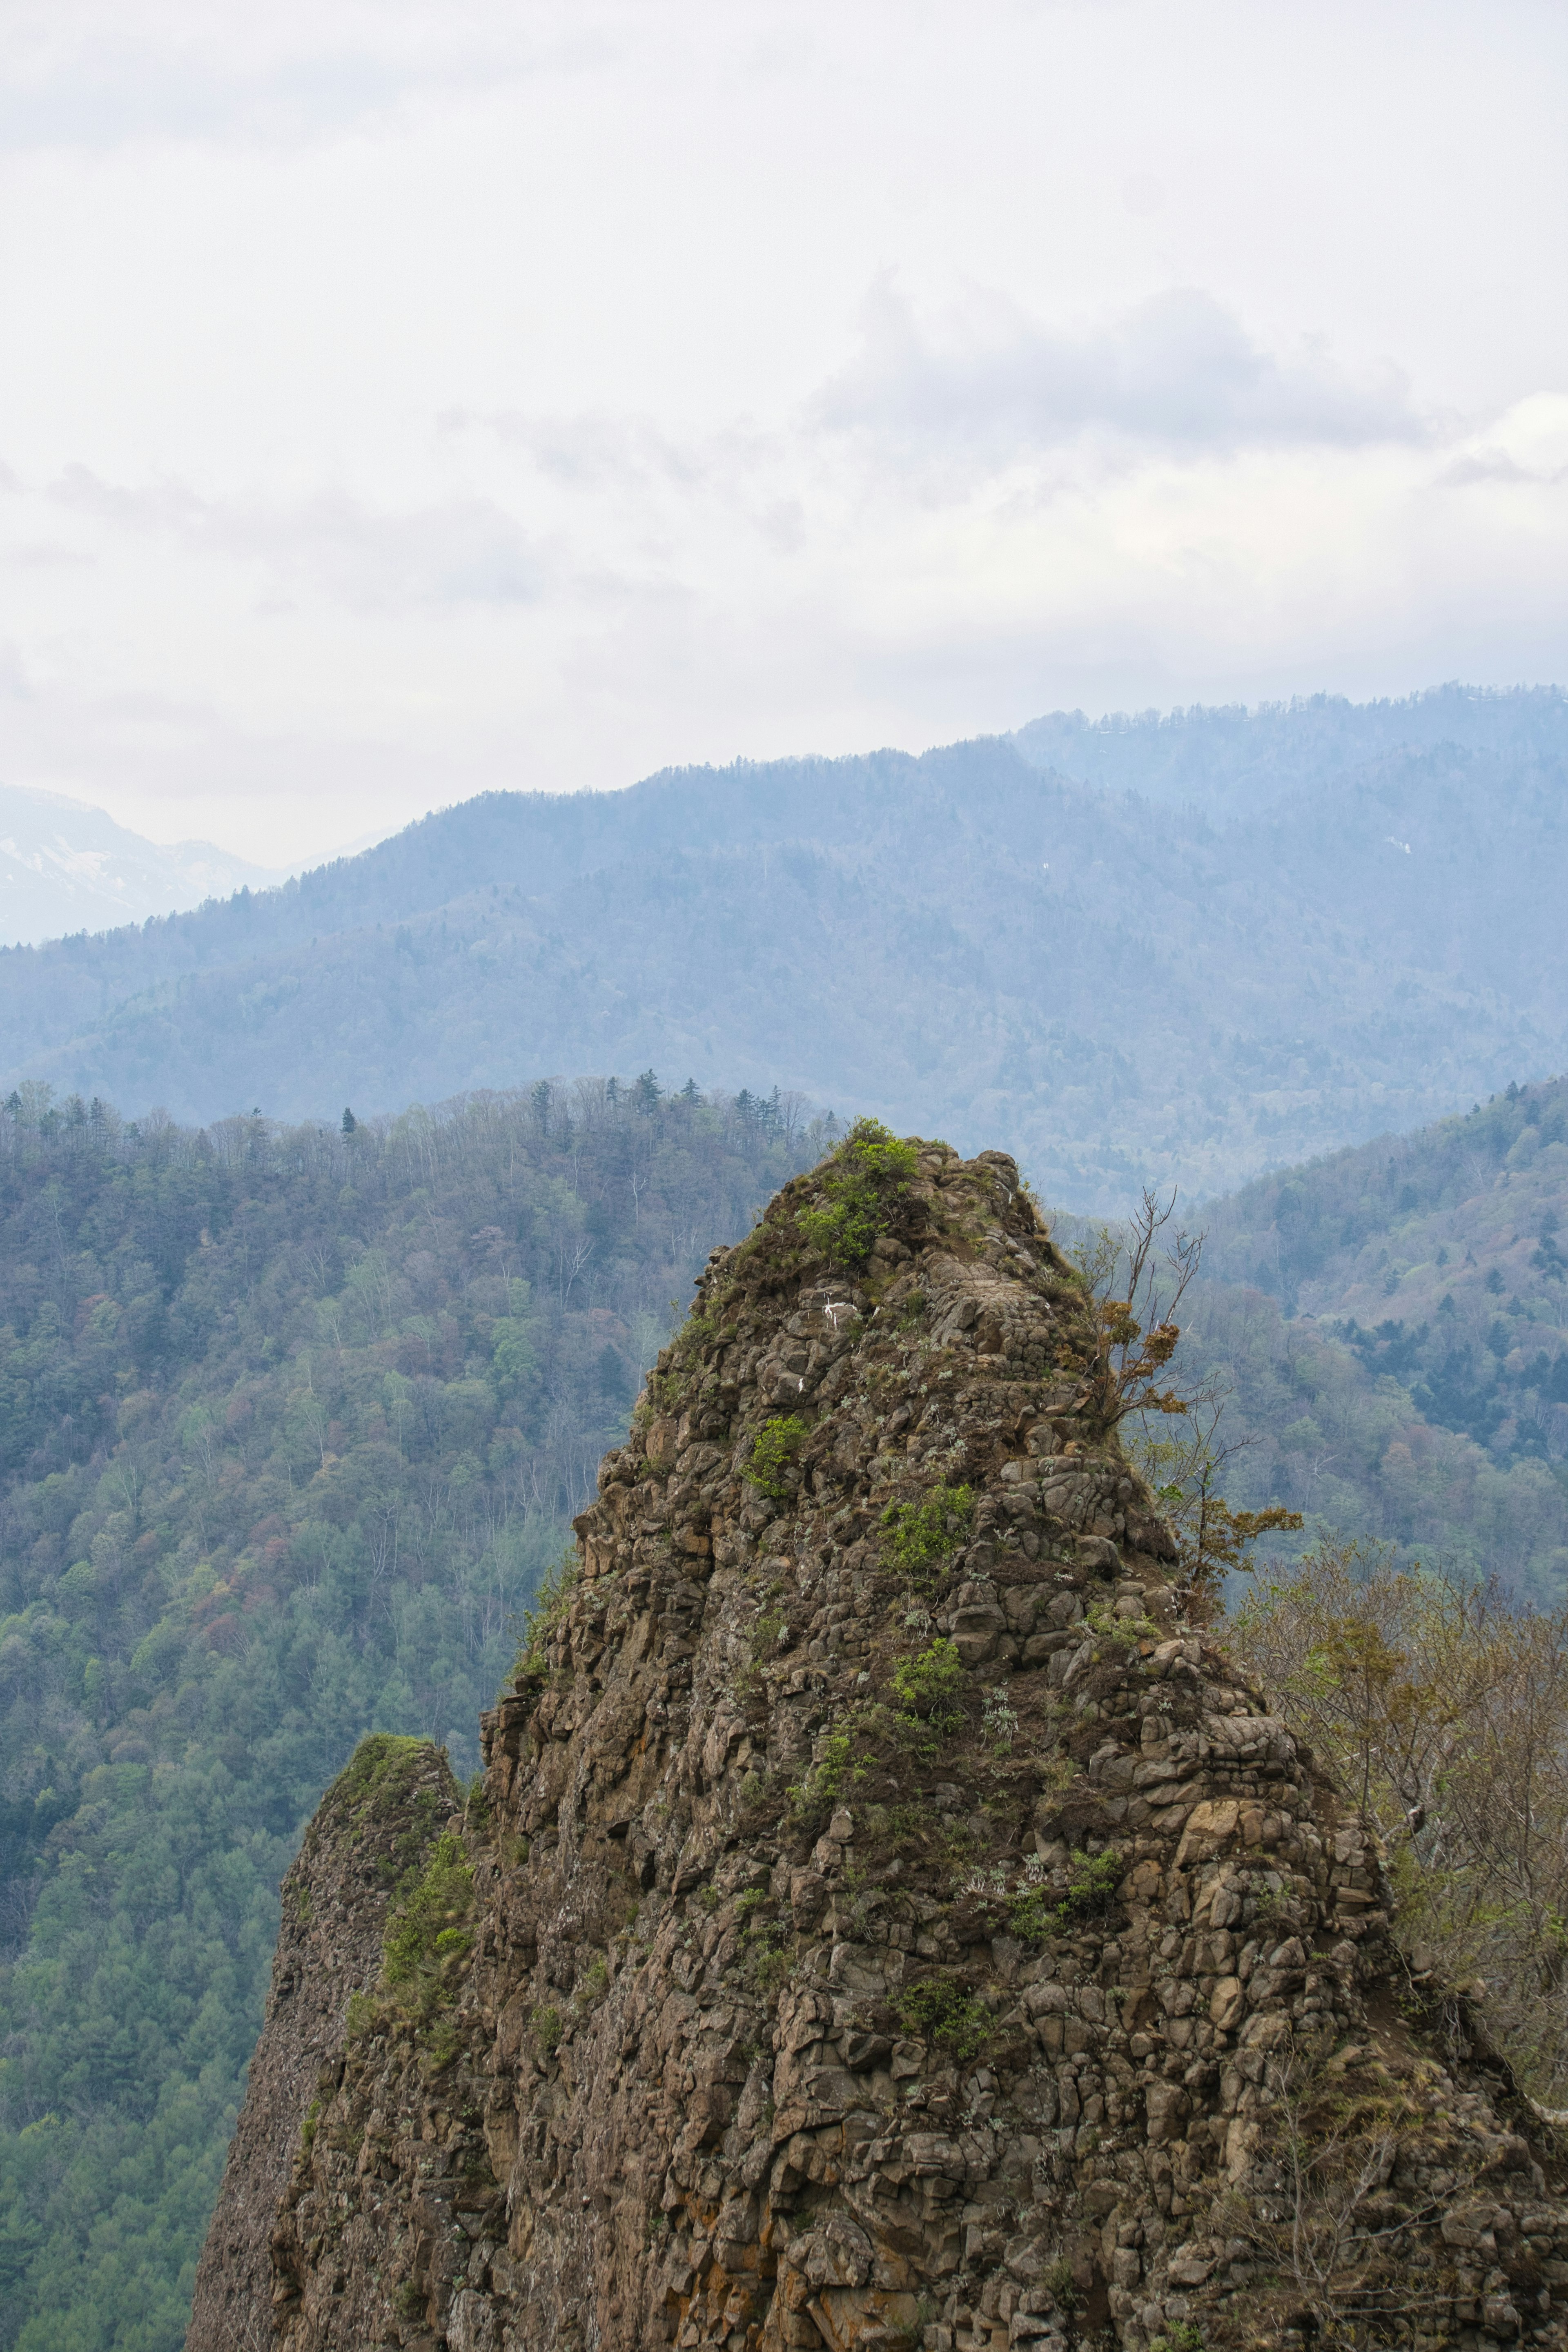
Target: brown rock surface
(886, 1923)
(374, 1825)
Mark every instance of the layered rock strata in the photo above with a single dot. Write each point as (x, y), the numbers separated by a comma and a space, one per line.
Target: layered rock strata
(884, 1920)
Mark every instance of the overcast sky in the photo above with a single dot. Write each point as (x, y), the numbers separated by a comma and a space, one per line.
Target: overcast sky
(409, 398)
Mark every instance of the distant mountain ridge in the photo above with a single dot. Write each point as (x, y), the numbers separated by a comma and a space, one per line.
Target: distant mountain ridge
(1224, 759)
(65, 867)
(1391, 1323)
(1119, 987)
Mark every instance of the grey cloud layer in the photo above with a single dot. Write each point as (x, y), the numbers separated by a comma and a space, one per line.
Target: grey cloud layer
(1179, 370)
(81, 75)
(461, 551)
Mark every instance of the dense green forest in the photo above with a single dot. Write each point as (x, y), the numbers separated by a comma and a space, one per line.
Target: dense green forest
(1391, 1327)
(1192, 950)
(290, 1421)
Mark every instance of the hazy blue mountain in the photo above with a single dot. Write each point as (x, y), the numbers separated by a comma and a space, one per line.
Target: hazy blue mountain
(1112, 986)
(1393, 1322)
(68, 867)
(1227, 760)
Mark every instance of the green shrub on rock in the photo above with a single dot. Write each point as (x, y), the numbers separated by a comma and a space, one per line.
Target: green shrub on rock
(921, 1534)
(775, 1448)
(938, 2009)
(426, 1935)
(866, 1178)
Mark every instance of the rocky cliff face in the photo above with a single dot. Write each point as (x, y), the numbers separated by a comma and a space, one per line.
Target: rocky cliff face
(883, 1922)
(375, 1828)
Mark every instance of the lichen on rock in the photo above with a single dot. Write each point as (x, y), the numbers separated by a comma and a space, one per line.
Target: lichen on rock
(885, 1920)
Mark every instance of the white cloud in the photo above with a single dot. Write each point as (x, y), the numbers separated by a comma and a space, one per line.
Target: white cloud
(460, 552)
(1177, 370)
(95, 74)
(1527, 444)
(406, 399)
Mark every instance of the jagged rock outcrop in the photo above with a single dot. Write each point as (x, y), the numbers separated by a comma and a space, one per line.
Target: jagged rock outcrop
(374, 1826)
(884, 1922)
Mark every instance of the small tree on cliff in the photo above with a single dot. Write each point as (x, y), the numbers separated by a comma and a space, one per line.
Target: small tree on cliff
(1138, 1279)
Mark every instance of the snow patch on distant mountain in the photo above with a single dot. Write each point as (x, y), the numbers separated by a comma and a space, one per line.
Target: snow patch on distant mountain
(65, 867)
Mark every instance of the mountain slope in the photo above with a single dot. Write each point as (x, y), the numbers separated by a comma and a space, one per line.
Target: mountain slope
(1116, 990)
(1225, 761)
(68, 867)
(1394, 1321)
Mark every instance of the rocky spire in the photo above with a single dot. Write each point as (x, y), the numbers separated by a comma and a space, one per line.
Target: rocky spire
(883, 1920)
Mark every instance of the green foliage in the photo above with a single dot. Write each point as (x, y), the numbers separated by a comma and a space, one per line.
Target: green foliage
(776, 1446)
(593, 1984)
(427, 1936)
(771, 1623)
(681, 1366)
(938, 2009)
(379, 1786)
(545, 2026)
(767, 1964)
(375, 1781)
(283, 1465)
(1125, 1632)
(1035, 1912)
(551, 1601)
(921, 1535)
(825, 1781)
(1404, 1406)
(1186, 1476)
(926, 1686)
(866, 1178)
(764, 1941)
(1092, 1886)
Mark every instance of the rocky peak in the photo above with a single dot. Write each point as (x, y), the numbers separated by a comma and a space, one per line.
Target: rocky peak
(884, 1920)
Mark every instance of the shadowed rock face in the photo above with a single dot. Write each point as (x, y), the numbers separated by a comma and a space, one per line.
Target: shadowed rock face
(374, 1825)
(884, 1921)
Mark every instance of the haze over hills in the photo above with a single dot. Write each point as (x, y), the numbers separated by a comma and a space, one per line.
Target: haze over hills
(1229, 760)
(1393, 1322)
(1362, 931)
(66, 868)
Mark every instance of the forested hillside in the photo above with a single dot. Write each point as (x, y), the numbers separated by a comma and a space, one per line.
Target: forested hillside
(1224, 761)
(1394, 1323)
(290, 1419)
(1128, 973)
